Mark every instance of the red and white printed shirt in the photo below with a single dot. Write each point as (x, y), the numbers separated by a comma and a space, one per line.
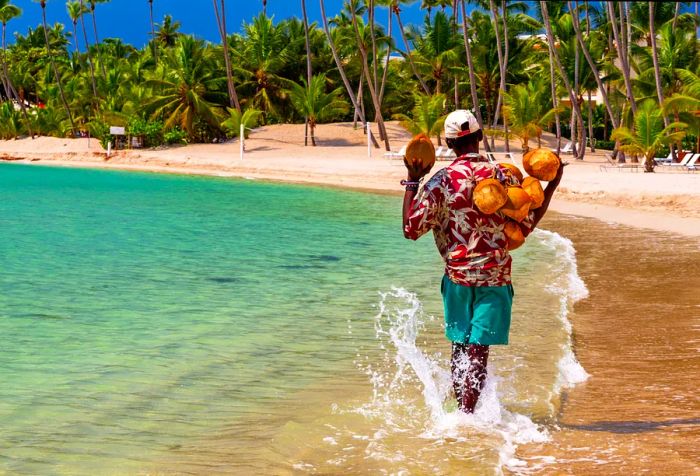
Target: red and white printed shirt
(472, 243)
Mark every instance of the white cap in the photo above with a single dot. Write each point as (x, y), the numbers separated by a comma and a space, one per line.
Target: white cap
(460, 123)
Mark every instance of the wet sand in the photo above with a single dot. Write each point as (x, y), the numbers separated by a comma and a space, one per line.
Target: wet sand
(638, 336)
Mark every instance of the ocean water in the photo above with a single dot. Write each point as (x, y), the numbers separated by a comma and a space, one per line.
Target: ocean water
(154, 324)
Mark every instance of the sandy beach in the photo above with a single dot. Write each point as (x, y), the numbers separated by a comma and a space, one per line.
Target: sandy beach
(663, 201)
(636, 334)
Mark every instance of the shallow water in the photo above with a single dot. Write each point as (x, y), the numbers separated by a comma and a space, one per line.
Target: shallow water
(194, 325)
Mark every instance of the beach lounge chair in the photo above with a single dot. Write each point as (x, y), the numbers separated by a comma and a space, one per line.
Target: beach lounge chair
(611, 164)
(683, 163)
(395, 155)
(567, 149)
(663, 160)
(692, 165)
(445, 153)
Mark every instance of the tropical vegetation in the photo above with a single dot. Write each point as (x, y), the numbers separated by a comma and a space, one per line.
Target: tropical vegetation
(590, 72)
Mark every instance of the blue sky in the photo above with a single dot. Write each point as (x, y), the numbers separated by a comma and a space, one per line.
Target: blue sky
(129, 19)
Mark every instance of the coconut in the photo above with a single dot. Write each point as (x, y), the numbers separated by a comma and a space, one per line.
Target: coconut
(514, 235)
(489, 195)
(541, 164)
(533, 187)
(421, 152)
(518, 204)
(513, 170)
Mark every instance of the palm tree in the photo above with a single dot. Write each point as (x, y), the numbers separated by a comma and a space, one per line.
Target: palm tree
(309, 71)
(686, 103)
(555, 56)
(7, 12)
(248, 119)
(168, 32)
(472, 77)
(186, 95)
(84, 10)
(153, 33)
(53, 65)
(311, 101)
(395, 6)
(622, 57)
(341, 71)
(74, 11)
(428, 115)
(221, 24)
(649, 134)
(655, 54)
(93, 4)
(527, 111)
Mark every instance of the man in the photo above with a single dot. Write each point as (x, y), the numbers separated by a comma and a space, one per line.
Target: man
(476, 288)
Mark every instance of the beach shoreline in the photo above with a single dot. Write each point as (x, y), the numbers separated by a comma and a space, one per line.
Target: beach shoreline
(662, 202)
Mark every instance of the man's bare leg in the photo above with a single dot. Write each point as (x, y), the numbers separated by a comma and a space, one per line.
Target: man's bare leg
(468, 373)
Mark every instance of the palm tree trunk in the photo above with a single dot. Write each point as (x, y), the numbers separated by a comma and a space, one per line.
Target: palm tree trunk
(501, 65)
(368, 80)
(425, 87)
(153, 34)
(472, 77)
(655, 56)
(341, 70)
(454, 34)
(87, 50)
(360, 110)
(505, 65)
(97, 43)
(623, 58)
(591, 140)
(55, 70)
(309, 72)
(10, 90)
(388, 58)
(555, 55)
(221, 24)
(675, 16)
(75, 35)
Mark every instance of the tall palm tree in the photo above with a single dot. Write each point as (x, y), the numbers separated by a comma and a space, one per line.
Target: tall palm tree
(622, 57)
(153, 33)
(341, 71)
(396, 8)
(557, 61)
(53, 65)
(309, 71)
(221, 24)
(7, 12)
(74, 11)
(84, 10)
(93, 4)
(526, 106)
(501, 64)
(470, 66)
(428, 115)
(311, 101)
(370, 85)
(655, 54)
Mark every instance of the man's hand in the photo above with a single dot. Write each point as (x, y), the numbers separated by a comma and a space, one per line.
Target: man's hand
(416, 168)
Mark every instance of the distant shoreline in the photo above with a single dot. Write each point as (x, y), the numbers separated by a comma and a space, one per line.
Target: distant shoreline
(665, 202)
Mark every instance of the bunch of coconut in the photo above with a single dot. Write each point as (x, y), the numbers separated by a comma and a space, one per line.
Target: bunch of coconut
(516, 202)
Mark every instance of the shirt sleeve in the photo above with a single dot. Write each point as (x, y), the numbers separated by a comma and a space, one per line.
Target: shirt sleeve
(422, 216)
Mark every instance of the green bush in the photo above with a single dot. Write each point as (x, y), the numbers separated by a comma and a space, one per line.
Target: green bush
(100, 130)
(152, 132)
(605, 144)
(10, 123)
(175, 136)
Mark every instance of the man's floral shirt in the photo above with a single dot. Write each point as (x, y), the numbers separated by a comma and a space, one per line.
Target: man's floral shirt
(472, 243)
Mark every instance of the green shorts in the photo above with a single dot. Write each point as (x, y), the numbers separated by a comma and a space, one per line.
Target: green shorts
(477, 314)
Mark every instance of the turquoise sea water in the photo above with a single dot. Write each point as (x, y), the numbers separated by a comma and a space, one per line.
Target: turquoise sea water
(170, 324)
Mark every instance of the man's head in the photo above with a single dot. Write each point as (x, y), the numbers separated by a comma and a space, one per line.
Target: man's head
(462, 132)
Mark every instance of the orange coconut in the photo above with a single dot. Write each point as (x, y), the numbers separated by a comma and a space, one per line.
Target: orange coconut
(541, 164)
(533, 187)
(518, 204)
(514, 235)
(489, 196)
(421, 152)
(513, 169)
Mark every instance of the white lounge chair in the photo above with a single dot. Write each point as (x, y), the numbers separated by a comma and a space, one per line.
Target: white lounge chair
(690, 166)
(662, 160)
(396, 155)
(619, 167)
(567, 149)
(686, 158)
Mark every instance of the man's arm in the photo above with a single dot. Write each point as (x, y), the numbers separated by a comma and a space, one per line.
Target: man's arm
(407, 202)
(548, 193)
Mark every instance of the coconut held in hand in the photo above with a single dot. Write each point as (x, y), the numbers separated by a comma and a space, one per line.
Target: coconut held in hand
(514, 235)
(541, 164)
(533, 187)
(489, 196)
(518, 204)
(420, 156)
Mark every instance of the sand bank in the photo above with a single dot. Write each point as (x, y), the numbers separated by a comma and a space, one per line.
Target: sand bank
(665, 201)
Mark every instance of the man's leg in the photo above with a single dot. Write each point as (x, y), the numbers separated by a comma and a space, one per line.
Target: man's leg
(468, 373)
